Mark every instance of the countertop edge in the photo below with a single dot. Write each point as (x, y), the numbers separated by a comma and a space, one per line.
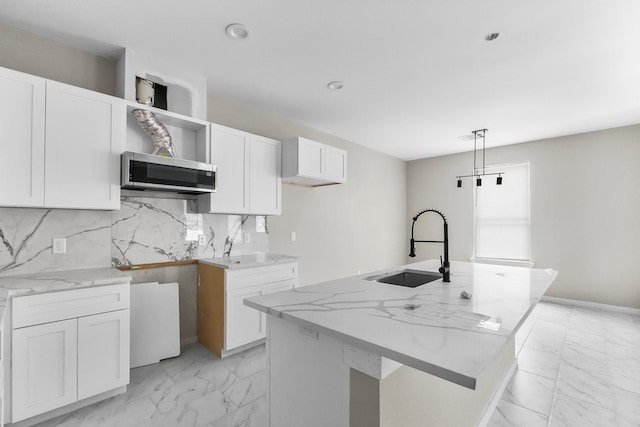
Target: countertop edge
(468, 381)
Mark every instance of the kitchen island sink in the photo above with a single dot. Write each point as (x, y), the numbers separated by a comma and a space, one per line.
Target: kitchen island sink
(410, 278)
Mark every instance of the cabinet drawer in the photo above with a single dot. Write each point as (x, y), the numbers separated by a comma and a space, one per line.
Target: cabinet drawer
(259, 276)
(53, 306)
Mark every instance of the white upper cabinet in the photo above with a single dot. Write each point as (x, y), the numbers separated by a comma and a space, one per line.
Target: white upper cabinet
(230, 152)
(265, 183)
(248, 176)
(85, 135)
(311, 163)
(335, 165)
(310, 159)
(22, 143)
(60, 146)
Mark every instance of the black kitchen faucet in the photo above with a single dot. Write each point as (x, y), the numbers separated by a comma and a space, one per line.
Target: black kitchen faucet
(444, 265)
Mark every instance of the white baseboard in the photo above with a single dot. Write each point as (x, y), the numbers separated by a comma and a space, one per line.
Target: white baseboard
(594, 305)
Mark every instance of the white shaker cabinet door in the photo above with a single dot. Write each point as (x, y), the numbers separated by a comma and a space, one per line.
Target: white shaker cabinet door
(335, 165)
(85, 135)
(265, 176)
(22, 109)
(230, 152)
(310, 159)
(103, 352)
(243, 324)
(44, 375)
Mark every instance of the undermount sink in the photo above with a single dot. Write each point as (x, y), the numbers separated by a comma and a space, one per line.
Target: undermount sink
(410, 278)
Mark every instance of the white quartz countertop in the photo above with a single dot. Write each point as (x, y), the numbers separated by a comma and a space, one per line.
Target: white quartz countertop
(248, 261)
(58, 281)
(453, 338)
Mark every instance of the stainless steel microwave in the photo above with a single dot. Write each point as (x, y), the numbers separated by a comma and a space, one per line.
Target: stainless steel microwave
(152, 172)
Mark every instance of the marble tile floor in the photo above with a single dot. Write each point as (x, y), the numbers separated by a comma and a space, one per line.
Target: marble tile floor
(195, 389)
(577, 367)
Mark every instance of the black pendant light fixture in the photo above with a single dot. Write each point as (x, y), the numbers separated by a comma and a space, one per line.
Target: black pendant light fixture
(479, 172)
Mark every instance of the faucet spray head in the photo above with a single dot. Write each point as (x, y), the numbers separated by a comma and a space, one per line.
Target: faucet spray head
(412, 251)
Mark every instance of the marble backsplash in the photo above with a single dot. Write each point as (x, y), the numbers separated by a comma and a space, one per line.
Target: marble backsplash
(144, 230)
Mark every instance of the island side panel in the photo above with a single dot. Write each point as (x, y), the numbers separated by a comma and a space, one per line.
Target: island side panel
(308, 382)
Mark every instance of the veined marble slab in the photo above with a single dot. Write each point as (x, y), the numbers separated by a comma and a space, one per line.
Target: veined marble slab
(442, 334)
(26, 239)
(238, 262)
(148, 231)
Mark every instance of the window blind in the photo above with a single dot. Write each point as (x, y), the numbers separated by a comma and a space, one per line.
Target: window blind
(502, 214)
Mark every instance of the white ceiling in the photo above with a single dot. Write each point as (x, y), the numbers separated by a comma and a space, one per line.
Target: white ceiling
(418, 74)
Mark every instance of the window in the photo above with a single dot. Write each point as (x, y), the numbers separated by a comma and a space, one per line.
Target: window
(502, 215)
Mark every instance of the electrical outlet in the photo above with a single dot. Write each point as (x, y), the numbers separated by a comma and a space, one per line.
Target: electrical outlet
(59, 246)
(247, 237)
(293, 236)
(202, 239)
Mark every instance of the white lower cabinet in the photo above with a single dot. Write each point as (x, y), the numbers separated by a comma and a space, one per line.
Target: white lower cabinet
(244, 324)
(224, 322)
(103, 352)
(44, 370)
(59, 362)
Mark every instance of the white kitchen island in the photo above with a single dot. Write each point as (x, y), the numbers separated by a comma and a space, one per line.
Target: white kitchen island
(356, 352)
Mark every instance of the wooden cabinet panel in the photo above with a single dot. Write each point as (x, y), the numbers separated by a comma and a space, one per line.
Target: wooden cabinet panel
(44, 363)
(210, 324)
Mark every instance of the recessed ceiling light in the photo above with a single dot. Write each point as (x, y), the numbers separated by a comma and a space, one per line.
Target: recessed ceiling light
(237, 32)
(337, 85)
(491, 37)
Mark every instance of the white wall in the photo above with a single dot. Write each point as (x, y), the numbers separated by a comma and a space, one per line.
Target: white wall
(585, 210)
(29, 53)
(340, 229)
